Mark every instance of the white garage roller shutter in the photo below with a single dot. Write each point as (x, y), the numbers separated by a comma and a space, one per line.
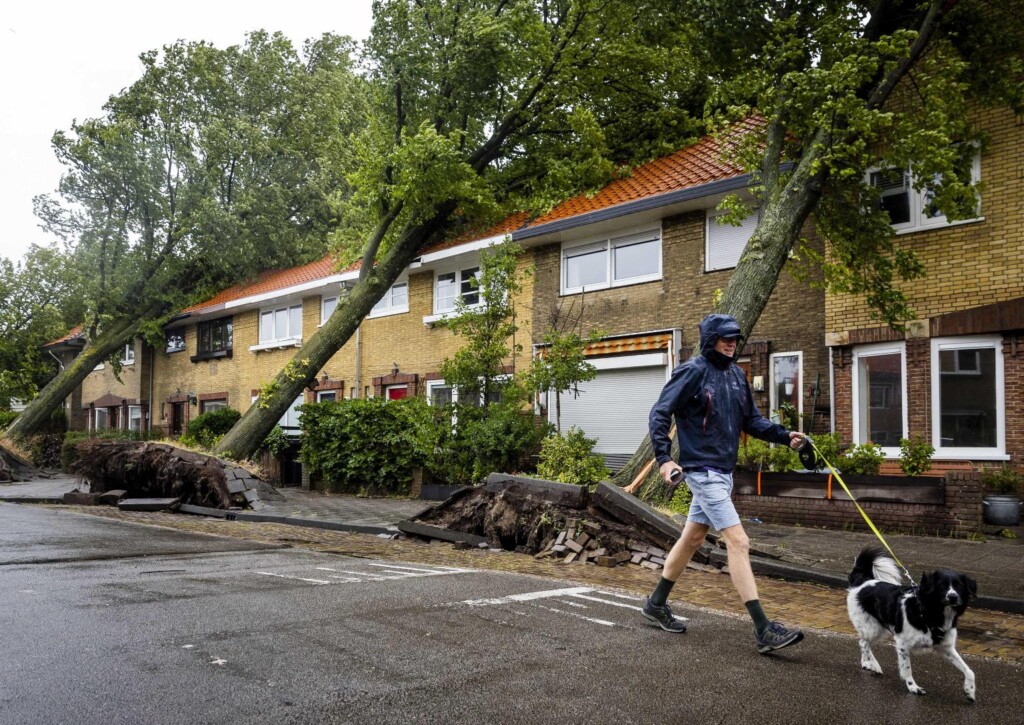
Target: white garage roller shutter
(613, 408)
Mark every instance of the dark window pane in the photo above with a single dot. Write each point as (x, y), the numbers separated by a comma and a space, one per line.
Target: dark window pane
(967, 398)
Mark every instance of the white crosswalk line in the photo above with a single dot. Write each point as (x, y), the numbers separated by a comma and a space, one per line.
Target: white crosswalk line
(296, 578)
(527, 596)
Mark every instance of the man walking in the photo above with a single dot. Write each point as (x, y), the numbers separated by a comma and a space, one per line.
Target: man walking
(712, 404)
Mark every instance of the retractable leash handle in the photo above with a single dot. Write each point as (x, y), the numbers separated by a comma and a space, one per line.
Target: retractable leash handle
(863, 513)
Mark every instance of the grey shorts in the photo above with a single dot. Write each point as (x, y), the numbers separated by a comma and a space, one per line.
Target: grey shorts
(711, 504)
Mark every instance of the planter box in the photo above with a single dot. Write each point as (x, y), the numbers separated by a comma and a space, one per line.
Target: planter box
(794, 484)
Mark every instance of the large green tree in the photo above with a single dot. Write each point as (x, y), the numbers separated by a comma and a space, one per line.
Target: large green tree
(481, 107)
(840, 89)
(214, 165)
(35, 294)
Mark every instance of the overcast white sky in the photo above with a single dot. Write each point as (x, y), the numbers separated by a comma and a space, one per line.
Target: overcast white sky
(61, 60)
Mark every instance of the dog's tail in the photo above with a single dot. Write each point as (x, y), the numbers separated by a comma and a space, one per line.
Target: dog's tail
(873, 563)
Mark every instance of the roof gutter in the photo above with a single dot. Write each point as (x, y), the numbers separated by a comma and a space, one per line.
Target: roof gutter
(690, 193)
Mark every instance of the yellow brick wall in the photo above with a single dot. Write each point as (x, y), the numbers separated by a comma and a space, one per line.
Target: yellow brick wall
(968, 264)
(385, 341)
(133, 379)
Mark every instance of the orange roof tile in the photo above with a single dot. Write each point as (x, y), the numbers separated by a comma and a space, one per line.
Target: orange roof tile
(74, 332)
(694, 165)
(507, 225)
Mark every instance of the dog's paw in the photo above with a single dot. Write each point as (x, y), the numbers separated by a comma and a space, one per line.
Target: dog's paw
(872, 667)
(915, 689)
(969, 691)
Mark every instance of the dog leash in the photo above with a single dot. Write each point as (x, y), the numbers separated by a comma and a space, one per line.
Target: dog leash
(863, 513)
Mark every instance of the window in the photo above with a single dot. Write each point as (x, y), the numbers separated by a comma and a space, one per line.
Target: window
(394, 301)
(100, 419)
(290, 420)
(787, 387)
(879, 409)
(908, 208)
(968, 397)
(282, 325)
(449, 286)
(208, 406)
(323, 396)
(438, 393)
(725, 242)
(215, 339)
(128, 354)
(613, 262)
(174, 340)
(327, 307)
(134, 417)
(396, 392)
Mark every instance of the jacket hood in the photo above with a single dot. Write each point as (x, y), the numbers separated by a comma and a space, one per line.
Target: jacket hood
(715, 326)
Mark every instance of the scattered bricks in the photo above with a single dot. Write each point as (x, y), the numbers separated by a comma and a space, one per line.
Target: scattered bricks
(583, 557)
(608, 561)
(638, 547)
(622, 557)
(636, 559)
(655, 551)
(571, 558)
(593, 544)
(599, 552)
(658, 560)
(583, 539)
(561, 538)
(573, 546)
(558, 548)
(650, 565)
(592, 528)
(544, 554)
(570, 525)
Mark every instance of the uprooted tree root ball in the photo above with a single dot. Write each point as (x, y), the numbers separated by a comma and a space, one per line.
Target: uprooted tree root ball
(153, 470)
(518, 521)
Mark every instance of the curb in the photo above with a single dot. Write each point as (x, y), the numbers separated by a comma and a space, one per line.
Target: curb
(32, 499)
(310, 523)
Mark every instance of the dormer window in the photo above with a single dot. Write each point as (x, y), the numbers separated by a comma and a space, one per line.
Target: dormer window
(612, 262)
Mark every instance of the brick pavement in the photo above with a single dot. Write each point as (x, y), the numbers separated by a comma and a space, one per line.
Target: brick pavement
(983, 633)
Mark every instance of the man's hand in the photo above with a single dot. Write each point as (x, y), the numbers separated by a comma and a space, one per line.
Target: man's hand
(796, 439)
(666, 470)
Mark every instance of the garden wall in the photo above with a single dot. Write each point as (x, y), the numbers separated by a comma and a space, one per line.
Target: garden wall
(960, 514)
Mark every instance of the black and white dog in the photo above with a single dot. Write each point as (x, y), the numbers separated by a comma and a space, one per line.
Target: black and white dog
(924, 617)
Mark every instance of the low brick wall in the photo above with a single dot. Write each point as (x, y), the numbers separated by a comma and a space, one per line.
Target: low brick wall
(961, 514)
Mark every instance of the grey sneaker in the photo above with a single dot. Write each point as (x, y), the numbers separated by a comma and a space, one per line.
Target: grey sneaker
(662, 615)
(776, 636)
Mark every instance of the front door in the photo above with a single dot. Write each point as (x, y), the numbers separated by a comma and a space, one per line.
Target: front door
(177, 418)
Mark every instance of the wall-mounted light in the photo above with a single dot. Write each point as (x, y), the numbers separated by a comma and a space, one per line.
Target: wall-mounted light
(324, 378)
(192, 399)
(394, 368)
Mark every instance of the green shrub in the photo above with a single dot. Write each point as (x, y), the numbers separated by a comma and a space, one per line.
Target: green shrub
(1003, 480)
(571, 459)
(6, 418)
(830, 448)
(45, 449)
(207, 428)
(782, 458)
(358, 444)
(915, 455)
(275, 443)
(680, 501)
(864, 459)
(753, 454)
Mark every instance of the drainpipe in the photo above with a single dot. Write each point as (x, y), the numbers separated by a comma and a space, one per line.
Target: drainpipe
(149, 405)
(357, 391)
(831, 393)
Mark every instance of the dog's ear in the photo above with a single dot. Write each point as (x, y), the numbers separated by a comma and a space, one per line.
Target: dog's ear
(972, 586)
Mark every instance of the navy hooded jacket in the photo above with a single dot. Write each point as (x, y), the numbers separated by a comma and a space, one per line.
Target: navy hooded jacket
(712, 403)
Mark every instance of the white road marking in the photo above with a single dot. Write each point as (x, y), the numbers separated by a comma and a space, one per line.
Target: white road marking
(528, 596)
(434, 572)
(296, 578)
(218, 661)
(605, 601)
(605, 622)
(572, 604)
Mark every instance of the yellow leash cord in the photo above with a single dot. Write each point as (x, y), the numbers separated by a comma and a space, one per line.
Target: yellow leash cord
(870, 523)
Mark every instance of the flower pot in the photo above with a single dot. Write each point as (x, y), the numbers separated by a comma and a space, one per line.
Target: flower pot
(1001, 510)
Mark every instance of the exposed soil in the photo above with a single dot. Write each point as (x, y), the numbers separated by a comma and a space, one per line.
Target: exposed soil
(518, 521)
(150, 470)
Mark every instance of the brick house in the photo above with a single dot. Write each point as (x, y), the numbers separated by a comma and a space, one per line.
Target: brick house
(956, 376)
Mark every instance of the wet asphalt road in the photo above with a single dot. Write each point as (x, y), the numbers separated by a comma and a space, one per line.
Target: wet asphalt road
(107, 622)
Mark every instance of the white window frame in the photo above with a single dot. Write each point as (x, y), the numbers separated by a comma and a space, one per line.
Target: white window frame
(875, 350)
(996, 453)
(458, 271)
(918, 201)
(321, 393)
(324, 315)
(396, 386)
(749, 224)
(96, 419)
(773, 404)
(128, 354)
(218, 404)
(134, 415)
(293, 338)
(390, 306)
(431, 384)
(608, 244)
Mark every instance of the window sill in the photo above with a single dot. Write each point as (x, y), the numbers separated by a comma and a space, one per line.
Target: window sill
(615, 285)
(387, 313)
(276, 344)
(950, 454)
(125, 363)
(431, 320)
(216, 355)
(936, 227)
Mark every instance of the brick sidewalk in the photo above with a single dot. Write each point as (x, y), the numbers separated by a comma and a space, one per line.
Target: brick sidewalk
(982, 632)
